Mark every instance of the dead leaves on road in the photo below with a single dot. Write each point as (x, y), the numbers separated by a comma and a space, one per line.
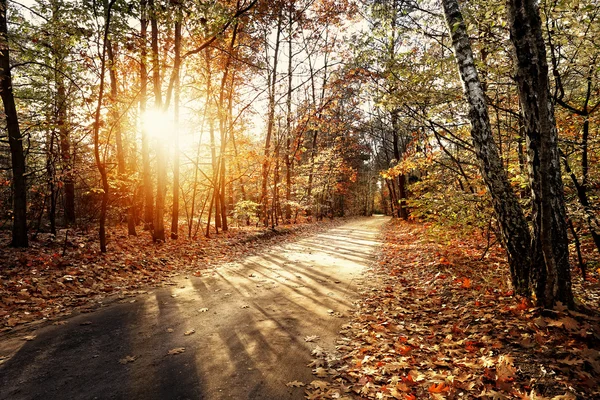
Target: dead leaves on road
(441, 324)
(177, 350)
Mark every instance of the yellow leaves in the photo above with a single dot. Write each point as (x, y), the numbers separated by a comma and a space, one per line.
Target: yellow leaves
(175, 351)
(295, 384)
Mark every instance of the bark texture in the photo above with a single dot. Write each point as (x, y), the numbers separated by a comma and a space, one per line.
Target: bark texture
(551, 271)
(513, 226)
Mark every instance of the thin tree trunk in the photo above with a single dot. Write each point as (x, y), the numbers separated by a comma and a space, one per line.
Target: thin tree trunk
(51, 174)
(288, 131)
(161, 157)
(101, 163)
(264, 197)
(19, 232)
(146, 171)
(513, 226)
(65, 150)
(114, 110)
(177, 66)
(223, 127)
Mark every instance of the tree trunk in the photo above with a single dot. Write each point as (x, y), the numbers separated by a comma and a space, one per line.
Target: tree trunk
(115, 119)
(288, 132)
(402, 209)
(161, 158)
(146, 171)
(19, 232)
(65, 149)
(264, 197)
(551, 270)
(100, 163)
(177, 67)
(513, 226)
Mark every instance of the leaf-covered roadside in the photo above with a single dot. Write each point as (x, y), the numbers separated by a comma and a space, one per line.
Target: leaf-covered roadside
(40, 283)
(440, 322)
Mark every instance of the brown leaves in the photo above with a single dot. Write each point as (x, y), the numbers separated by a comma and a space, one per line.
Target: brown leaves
(431, 329)
(127, 360)
(177, 350)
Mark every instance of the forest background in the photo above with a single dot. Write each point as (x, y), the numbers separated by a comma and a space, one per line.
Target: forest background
(208, 114)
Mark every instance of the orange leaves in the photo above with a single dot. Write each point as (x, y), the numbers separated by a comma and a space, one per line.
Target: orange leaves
(439, 388)
(458, 329)
(403, 349)
(465, 283)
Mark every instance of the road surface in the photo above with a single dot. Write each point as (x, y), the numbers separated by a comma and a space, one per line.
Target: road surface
(249, 321)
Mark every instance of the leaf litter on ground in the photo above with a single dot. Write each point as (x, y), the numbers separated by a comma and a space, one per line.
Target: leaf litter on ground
(439, 321)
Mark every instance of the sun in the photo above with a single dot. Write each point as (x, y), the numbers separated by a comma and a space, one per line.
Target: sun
(159, 125)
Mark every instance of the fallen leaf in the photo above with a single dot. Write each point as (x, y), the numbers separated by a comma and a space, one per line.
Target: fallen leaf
(319, 384)
(29, 337)
(189, 332)
(439, 388)
(127, 360)
(312, 338)
(203, 309)
(177, 350)
(294, 384)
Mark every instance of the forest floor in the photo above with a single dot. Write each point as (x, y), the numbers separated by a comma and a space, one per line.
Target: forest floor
(439, 321)
(244, 329)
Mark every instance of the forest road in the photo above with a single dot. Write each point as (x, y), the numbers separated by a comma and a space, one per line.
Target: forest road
(250, 321)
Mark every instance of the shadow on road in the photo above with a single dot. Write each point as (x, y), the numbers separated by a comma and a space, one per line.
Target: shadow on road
(249, 319)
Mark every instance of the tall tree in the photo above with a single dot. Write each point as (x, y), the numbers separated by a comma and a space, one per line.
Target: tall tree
(100, 161)
(15, 140)
(158, 233)
(176, 100)
(513, 226)
(551, 270)
(146, 170)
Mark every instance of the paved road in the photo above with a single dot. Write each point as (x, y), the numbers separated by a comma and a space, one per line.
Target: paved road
(247, 345)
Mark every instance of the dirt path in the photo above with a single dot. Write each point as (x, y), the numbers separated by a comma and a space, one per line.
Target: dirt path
(250, 320)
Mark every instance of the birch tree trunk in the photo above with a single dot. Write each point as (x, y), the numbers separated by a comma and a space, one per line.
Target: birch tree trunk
(513, 226)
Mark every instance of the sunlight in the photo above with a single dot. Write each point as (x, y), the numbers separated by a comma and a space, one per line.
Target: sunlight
(159, 125)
